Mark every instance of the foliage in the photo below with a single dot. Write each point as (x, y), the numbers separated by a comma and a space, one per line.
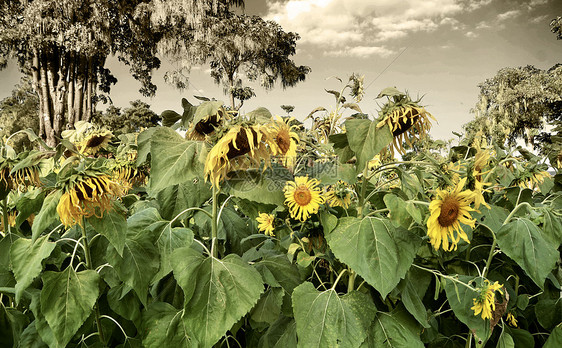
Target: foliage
(556, 27)
(222, 238)
(18, 112)
(132, 119)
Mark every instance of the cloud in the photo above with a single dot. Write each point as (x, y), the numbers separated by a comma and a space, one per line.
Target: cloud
(508, 15)
(361, 52)
(363, 27)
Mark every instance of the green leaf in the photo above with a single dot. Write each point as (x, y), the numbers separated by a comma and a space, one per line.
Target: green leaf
(413, 302)
(492, 218)
(177, 198)
(143, 144)
(380, 253)
(30, 337)
(341, 147)
(549, 312)
(174, 160)
(217, 292)
(505, 341)
(399, 215)
(281, 334)
(522, 338)
(460, 299)
(45, 332)
(140, 260)
(169, 117)
(124, 302)
(366, 140)
(6, 277)
(268, 308)
(552, 227)
(278, 271)
(47, 215)
(329, 221)
(26, 261)
(265, 188)
(28, 204)
(522, 241)
(391, 330)
(555, 338)
(163, 327)
(12, 324)
(112, 226)
(325, 319)
(260, 115)
(169, 240)
(207, 108)
(67, 299)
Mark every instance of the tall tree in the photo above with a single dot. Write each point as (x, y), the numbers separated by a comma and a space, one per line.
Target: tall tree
(516, 103)
(241, 47)
(63, 45)
(132, 119)
(19, 111)
(556, 27)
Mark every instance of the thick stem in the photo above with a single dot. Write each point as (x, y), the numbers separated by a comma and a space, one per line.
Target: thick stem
(214, 222)
(363, 190)
(5, 215)
(90, 266)
(351, 281)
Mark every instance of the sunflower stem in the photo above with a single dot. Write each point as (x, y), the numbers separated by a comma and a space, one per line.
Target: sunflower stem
(214, 223)
(351, 281)
(5, 215)
(338, 278)
(90, 266)
(363, 190)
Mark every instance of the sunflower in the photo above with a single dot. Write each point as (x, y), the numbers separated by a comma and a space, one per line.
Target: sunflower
(94, 140)
(407, 120)
(87, 197)
(24, 177)
(303, 197)
(448, 211)
(238, 149)
(511, 319)
(485, 303)
(265, 223)
(339, 195)
(128, 176)
(283, 141)
(481, 160)
(206, 126)
(533, 178)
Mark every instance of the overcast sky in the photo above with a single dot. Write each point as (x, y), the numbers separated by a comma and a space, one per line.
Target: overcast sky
(438, 48)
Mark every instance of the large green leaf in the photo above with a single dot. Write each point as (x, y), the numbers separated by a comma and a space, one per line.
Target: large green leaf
(26, 259)
(325, 319)
(207, 108)
(174, 160)
(552, 227)
(28, 204)
(6, 276)
(47, 215)
(268, 308)
(30, 337)
(413, 302)
(12, 324)
(143, 144)
(555, 338)
(67, 299)
(380, 253)
(164, 327)
(217, 292)
(169, 240)
(394, 330)
(281, 334)
(175, 199)
(278, 271)
(460, 299)
(366, 140)
(113, 226)
(140, 260)
(522, 241)
(505, 341)
(253, 185)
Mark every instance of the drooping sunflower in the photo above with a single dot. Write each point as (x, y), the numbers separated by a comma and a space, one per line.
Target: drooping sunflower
(283, 141)
(448, 210)
(485, 303)
(481, 160)
(11, 219)
(206, 125)
(303, 197)
(240, 148)
(339, 195)
(407, 120)
(511, 319)
(87, 196)
(94, 140)
(266, 223)
(532, 177)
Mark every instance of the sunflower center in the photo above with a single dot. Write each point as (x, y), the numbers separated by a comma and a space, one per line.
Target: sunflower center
(95, 140)
(283, 141)
(302, 195)
(449, 212)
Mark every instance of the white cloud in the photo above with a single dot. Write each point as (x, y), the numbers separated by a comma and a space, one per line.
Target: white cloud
(471, 35)
(508, 15)
(361, 52)
(539, 19)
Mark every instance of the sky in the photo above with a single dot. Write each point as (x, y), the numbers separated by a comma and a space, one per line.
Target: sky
(438, 49)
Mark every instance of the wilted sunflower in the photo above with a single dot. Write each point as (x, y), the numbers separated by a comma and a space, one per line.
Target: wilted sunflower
(11, 219)
(266, 223)
(205, 126)
(94, 140)
(128, 175)
(24, 177)
(448, 210)
(238, 149)
(303, 197)
(86, 197)
(284, 141)
(481, 160)
(485, 303)
(533, 177)
(511, 319)
(339, 195)
(406, 118)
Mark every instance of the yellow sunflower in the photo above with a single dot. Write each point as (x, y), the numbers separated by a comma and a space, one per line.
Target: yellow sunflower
(87, 197)
(128, 176)
(448, 210)
(481, 160)
(303, 197)
(485, 303)
(204, 127)
(24, 177)
(240, 148)
(339, 195)
(511, 319)
(283, 141)
(266, 223)
(533, 179)
(94, 140)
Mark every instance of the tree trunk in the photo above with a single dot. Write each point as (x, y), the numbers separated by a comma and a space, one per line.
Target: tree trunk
(231, 92)
(45, 104)
(70, 81)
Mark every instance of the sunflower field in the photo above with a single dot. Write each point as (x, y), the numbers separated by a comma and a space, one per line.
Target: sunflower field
(220, 229)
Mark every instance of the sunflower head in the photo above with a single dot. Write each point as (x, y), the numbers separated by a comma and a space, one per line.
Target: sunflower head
(485, 302)
(266, 223)
(339, 195)
(86, 196)
(406, 119)
(94, 140)
(283, 141)
(303, 197)
(240, 148)
(448, 210)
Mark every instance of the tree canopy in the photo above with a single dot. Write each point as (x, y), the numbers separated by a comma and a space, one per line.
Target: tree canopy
(131, 119)
(17, 112)
(556, 27)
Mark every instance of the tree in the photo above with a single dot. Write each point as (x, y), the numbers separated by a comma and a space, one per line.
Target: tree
(132, 119)
(516, 102)
(556, 27)
(63, 46)
(19, 111)
(241, 46)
